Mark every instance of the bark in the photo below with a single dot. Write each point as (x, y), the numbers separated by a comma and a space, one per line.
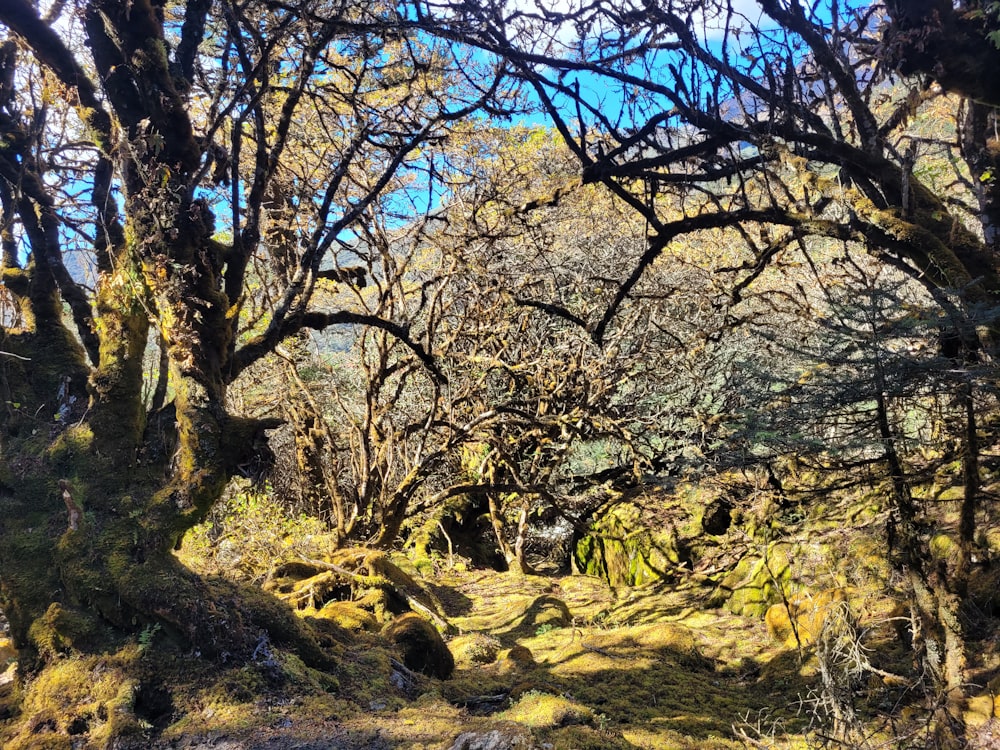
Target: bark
(936, 38)
(85, 547)
(100, 493)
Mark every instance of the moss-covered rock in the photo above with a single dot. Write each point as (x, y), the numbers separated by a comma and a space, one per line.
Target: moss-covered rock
(504, 738)
(515, 661)
(544, 613)
(541, 710)
(625, 551)
(60, 629)
(348, 615)
(421, 646)
(753, 585)
(475, 648)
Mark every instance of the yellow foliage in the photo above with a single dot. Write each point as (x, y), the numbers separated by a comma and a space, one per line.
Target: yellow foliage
(7, 652)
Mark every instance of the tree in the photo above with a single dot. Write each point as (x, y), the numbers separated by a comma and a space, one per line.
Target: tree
(523, 397)
(151, 157)
(781, 122)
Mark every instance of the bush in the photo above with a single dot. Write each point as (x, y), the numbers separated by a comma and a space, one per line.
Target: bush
(250, 532)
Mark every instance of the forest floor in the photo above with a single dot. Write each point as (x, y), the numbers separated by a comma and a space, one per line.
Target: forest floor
(568, 662)
(560, 662)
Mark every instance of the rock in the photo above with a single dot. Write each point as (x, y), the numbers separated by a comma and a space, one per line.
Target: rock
(808, 613)
(421, 646)
(495, 739)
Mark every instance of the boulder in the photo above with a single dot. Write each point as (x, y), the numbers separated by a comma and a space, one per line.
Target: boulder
(420, 645)
(494, 739)
(805, 615)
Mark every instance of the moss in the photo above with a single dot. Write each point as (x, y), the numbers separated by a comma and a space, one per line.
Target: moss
(753, 583)
(304, 676)
(519, 655)
(625, 551)
(244, 685)
(537, 710)
(72, 443)
(944, 548)
(89, 699)
(366, 674)
(348, 615)
(475, 648)
(420, 645)
(61, 629)
(8, 653)
(979, 710)
(802, 619)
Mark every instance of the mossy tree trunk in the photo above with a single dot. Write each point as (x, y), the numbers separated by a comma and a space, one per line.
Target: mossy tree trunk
(114, 162)
(95, 497)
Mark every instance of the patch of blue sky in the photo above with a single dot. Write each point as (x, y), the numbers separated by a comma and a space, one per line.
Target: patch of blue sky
(740, 33)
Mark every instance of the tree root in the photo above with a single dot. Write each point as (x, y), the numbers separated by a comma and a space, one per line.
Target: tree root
(360, 575)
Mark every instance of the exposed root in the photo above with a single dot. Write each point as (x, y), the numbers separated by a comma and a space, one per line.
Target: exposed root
(364, 576)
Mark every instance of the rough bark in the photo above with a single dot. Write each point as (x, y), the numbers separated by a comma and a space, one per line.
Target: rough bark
(99, 494)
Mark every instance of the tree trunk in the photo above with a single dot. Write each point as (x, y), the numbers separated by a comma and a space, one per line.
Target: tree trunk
(86, 537)
(938, 640)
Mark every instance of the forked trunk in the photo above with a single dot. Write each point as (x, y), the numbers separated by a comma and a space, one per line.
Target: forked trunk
(92, 513)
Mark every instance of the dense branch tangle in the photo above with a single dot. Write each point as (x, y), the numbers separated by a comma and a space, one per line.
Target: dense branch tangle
(713, 118)
(777, 124)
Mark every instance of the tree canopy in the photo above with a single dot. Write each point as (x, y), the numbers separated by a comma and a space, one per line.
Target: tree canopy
(503, 206)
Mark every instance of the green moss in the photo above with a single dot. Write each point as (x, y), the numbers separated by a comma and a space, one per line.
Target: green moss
(346, 615)
(90, 699)
(61, 629)
(535, 709)
(944, 548)
(366, 673)
(72, 443)
(753, 585)
(623, 550)
(300, 674)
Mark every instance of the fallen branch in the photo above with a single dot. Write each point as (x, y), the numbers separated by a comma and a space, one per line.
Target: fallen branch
(74, 510)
